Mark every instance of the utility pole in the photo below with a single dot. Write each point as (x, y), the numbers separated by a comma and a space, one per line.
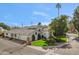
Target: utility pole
(22, 25)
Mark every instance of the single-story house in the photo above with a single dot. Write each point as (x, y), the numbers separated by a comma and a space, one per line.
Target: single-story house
(2, 30)
(27, 33)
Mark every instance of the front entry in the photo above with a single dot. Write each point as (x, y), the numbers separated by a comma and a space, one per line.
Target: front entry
(33, 37)
(39, 36)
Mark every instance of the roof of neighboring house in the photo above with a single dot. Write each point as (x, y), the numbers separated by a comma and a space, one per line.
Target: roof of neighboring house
(22, 31)
(1, 28)
(36, 26)
(28, 31)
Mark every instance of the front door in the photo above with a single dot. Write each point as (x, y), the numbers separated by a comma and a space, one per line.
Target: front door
(33, 37)
(39, 36)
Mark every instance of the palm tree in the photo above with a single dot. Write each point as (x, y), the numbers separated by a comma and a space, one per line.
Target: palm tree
(58, 5)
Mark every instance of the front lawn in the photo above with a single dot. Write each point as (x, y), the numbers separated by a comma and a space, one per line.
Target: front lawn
(39, 43)
(50, 42)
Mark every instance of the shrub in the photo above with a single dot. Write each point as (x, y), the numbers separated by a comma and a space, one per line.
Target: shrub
(63, 39)
(50, 42)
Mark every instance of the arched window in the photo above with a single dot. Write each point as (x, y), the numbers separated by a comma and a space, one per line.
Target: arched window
(12, 35)
(15, 35)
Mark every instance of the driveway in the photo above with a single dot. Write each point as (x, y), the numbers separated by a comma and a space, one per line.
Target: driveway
(11, 48)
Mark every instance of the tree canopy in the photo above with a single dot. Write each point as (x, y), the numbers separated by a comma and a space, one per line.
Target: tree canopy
(39, 23)
(5, 26)
(76, 18)
(59, 26)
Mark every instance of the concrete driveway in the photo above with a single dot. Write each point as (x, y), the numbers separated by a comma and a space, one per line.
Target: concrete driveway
(10, 48)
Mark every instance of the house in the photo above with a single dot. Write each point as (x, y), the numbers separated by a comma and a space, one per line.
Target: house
(27, 33)
(1, 30)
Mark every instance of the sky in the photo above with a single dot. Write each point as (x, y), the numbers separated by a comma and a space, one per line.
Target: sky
(16, 14)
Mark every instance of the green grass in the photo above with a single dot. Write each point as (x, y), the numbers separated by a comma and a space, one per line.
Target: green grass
(42, 42)
(63, 38)
(39, 43)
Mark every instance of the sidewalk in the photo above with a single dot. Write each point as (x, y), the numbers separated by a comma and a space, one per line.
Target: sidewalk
(51, 52)
(47, 52)
(37, 48)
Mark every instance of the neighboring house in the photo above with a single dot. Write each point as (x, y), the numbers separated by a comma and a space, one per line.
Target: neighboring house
(1, 30)
(26, 33)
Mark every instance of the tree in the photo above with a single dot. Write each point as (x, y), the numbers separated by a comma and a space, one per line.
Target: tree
(58, 6)
(59, 26)
(71, 27)
(76, 18)
(39, 23)
(4, 26)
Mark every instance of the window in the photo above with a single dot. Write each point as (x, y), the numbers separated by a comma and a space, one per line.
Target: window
(36, 33)
(15, 35)
(11, 34)
(6, 33)
(39, 30)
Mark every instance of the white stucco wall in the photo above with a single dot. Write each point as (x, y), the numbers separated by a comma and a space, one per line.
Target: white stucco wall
(21, 37)
(7, 35)
(46, 34)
